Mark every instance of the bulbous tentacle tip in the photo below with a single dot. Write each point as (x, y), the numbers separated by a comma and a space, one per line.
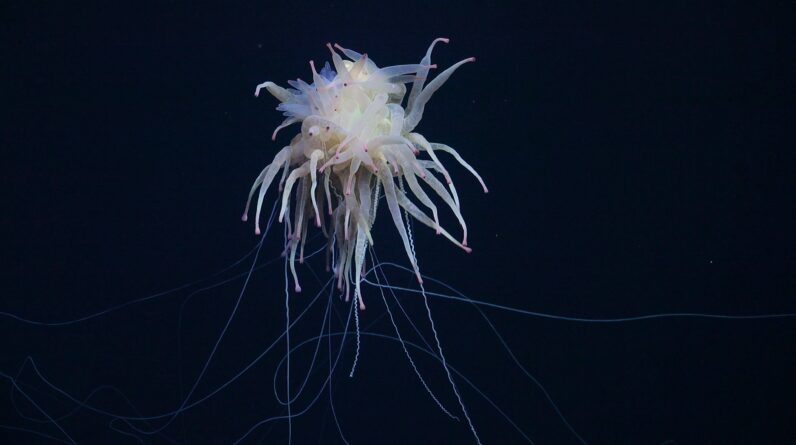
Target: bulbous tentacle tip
(297, 289)
(244, 217)
(444, 39)
(361, 305)
(471, 59)
(257, 231)
(467, 249)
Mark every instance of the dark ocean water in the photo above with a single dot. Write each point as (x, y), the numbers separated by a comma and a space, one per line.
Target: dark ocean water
(638, 162)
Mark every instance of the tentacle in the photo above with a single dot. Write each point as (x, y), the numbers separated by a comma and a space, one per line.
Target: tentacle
(326, 179)
(358, 66)
(418, 214)
(352, 171)
(285, 123)
(370, 64)
(266, 177)
(413, 118)
(424, 144)
(359, 260)
(400, 70)
(422, 196)
(278, 92)
(294, 175)
(440, 189)
(392, 204)
(316, 155)
(445, 148)
(417, 86)
(336, 159)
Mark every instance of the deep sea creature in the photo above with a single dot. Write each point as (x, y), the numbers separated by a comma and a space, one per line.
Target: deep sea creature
(356, 140)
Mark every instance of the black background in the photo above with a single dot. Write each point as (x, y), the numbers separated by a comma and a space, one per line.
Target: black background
(639, 160)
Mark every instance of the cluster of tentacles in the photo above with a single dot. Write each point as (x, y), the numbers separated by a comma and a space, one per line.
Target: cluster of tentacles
(356, 140)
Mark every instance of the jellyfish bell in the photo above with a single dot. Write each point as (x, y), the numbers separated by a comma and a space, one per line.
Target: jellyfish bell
(357, 143)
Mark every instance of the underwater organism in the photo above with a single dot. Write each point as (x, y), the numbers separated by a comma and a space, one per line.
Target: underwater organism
(356, 139)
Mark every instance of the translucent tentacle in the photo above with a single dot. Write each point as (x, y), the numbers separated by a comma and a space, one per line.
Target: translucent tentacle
(417, 86)
(316, 155)
(413, 118)
(392, 204)
(445, 148)
(294, 175)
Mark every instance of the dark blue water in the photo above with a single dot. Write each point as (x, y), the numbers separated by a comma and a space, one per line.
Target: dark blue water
(639, 161)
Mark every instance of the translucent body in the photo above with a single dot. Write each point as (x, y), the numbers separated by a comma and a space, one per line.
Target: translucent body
(357, 139)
